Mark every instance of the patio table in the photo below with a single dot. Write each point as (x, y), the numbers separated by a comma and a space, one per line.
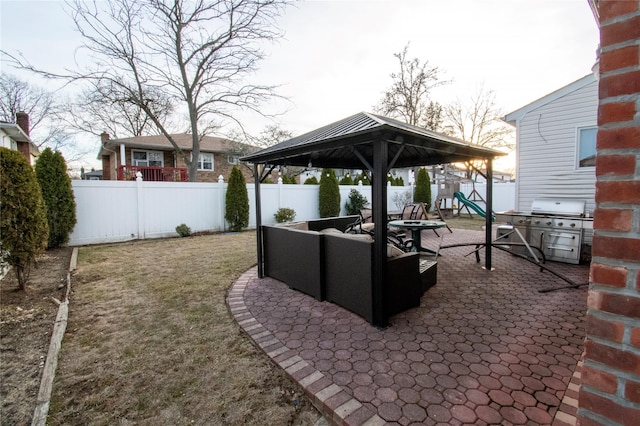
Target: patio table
(416, 227)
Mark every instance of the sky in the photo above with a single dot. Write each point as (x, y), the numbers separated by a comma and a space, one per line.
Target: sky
(336, 57)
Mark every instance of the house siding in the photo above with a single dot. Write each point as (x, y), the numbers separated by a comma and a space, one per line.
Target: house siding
(221, 166)
(546, 149)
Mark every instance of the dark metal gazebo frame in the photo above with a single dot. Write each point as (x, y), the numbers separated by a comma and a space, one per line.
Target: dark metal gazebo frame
(378, 144)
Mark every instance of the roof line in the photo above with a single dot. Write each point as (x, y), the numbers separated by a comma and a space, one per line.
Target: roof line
(518, 114)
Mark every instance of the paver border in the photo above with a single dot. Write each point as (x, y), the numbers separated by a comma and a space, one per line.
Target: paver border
(331, 400)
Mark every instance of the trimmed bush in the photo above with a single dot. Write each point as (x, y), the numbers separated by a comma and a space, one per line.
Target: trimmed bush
(289, 180)
(395, 181)
(237, 201)
(284, 214)
(362, 177)
(346, 180)
(23, 218)
(311, 181)
(329, 201)
(183, 230)
(422, 192)
(355, 202)
(55, 184)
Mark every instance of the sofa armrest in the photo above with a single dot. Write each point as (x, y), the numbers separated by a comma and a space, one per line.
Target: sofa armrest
(403, 286)
(295, 257)
(348, 272)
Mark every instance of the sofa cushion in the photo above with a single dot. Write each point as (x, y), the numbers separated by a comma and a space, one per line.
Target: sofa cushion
(331, 231)
(393, 251)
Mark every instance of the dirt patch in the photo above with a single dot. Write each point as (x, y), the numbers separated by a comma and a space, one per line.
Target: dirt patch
(26, 323)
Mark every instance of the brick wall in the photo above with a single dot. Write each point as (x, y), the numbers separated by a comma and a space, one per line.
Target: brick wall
(610, 391)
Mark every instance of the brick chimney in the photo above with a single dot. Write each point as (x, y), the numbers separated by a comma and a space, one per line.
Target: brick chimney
(22, 120)
(104, 136)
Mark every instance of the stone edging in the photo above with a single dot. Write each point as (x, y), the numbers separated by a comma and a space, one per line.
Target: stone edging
(48, 374)
(331, 400)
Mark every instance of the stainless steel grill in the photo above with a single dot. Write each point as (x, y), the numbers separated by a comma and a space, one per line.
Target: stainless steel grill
(556, 226)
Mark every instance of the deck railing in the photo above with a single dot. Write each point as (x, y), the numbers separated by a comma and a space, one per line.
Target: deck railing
(154, 174)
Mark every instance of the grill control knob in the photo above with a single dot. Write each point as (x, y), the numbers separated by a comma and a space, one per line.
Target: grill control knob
(537, 222)
(548, 223)
(573, 225)
(560, 223)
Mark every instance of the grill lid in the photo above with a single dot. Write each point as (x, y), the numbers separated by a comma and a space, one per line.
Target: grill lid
(558, 206)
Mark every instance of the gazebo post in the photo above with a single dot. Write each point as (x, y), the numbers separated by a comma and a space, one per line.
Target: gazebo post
(379, 195)
(489, 215)
(256, 179)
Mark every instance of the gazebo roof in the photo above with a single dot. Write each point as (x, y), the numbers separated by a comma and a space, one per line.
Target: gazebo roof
(348, 143)
(378, 144)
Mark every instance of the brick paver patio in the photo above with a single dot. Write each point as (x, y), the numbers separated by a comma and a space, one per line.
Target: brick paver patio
(483, 347)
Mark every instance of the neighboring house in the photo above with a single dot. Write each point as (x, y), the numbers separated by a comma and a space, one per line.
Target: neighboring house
(454, 172)
(15, 136)
(157, 160)
(556, 145)
(92, 175)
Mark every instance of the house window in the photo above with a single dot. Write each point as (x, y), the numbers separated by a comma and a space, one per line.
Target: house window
(205, 161)
(587, 146)
(233, 159)
(147, 158)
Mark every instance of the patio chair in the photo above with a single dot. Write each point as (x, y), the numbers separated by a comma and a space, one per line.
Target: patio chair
(420, 213)
(364, 225)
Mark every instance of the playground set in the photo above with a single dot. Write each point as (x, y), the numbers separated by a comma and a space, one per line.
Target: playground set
(451, 202)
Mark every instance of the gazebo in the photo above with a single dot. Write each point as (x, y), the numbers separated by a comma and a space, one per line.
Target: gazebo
(377, 144)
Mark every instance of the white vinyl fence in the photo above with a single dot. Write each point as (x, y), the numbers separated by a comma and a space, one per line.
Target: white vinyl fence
(112, 211)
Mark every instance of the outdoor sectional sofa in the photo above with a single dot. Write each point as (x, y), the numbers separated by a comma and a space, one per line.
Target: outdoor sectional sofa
(318, 259)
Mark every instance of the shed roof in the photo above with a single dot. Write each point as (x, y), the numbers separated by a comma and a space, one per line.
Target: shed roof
(346, 143)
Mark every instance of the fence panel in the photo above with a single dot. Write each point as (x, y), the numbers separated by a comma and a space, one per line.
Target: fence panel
(112, 211)
(168, 204)
(106, 211)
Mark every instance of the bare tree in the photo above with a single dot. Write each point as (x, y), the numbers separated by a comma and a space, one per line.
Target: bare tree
(478, 122)
(96, 110)
(408, 98)
(44, 109)
(272, 134)
(198, 54)
(17, 95)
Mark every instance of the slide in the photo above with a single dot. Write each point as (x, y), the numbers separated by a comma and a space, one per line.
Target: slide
(473, 206)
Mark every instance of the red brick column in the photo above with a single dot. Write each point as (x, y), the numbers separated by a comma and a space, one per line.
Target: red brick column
(610, 391)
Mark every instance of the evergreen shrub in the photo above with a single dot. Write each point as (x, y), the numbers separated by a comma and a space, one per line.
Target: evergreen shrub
(284, 214)
(422, 192)
(55, 184)
(355, 202)
(329, 195)
(183, 230)
(237, 201)
(289, 180)
(346, 180)
(23, 218)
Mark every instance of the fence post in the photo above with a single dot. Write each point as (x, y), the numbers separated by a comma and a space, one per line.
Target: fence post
(222, 201)
(279, 192)
(140, 203)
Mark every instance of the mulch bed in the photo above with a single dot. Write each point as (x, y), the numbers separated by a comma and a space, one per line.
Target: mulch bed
(26, 323)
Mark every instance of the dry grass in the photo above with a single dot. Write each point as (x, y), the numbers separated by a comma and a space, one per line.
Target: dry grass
(150, 340)
(474, 223)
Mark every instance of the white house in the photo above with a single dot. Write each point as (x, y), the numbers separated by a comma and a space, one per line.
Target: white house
(15, 136)
(556, 145)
